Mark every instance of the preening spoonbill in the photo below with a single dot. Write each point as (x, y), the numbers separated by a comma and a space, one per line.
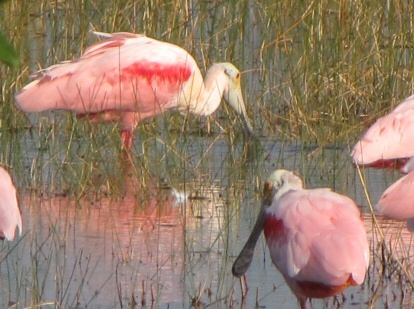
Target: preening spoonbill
(129, 77)
(389, 142)
(397, 201)
(316, 238)
(9, 210)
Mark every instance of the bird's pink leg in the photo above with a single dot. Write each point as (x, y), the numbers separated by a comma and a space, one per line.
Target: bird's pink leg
(302, 303)
(127, 137)
(243, 285)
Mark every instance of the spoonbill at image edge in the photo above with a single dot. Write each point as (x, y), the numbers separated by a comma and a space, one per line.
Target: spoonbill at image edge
(10, 217)
(397, 200)
(389, 141)
(127, 78)
(316, 238)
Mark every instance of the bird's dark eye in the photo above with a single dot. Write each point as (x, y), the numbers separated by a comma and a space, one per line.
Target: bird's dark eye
(237, 75)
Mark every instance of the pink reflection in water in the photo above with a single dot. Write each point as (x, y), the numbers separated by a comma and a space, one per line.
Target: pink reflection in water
(118, 248)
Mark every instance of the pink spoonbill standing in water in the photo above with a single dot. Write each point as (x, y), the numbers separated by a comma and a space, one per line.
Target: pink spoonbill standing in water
(389, 142)
(316, 238)
(397, 200)
(10, 217)
(129, 77)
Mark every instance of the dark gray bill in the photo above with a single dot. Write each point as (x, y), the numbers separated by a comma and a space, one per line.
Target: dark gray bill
(245, 257)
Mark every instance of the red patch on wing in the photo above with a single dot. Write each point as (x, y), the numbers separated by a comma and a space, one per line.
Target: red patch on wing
(392, 164)
(151, 71)
(274, 228)
(319, 290)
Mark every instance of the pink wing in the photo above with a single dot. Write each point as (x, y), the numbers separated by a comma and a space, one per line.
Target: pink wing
(390, 137)
(397, 201)
(407, 104)
(319, 237)
(9, 211)
(124, 72)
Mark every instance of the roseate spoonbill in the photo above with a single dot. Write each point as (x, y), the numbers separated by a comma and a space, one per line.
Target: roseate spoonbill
(129, 77)
(389, 141)
(316, 238)
(397, 201)
(9, 210)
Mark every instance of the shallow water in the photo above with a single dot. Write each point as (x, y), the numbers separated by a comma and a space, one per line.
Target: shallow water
(146, 247)
(102, 233)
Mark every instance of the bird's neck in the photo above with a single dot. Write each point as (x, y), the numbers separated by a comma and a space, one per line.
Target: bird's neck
(205, 96)
(214, 85)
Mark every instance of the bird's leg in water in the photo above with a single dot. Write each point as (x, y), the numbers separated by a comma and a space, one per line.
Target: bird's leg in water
(243, 285)
(127, 138)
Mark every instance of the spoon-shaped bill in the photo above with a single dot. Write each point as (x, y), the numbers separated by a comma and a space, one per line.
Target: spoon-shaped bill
(245, 257)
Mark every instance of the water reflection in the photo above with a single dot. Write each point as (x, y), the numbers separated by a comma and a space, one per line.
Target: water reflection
(93, 247)
(143, 245)
(390, 272)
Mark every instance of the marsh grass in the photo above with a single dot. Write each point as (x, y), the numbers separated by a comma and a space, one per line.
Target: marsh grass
(315, 75)
(330, 64)
(391, 253)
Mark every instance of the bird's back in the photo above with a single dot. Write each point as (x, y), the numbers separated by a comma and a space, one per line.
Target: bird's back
(390, 137)
(124, 72)
(317, 236)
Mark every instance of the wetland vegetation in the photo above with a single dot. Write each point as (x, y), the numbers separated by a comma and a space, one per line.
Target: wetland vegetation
(102, 233)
